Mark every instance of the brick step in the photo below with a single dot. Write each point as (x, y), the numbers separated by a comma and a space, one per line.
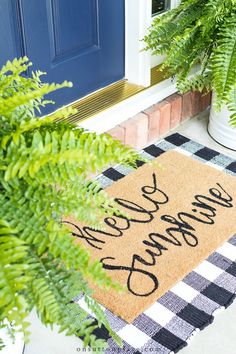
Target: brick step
(156, 121)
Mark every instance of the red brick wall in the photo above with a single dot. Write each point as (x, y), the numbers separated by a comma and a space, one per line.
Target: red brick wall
(156, 121)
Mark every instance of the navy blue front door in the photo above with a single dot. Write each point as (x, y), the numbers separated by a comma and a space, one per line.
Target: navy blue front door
(77, 40)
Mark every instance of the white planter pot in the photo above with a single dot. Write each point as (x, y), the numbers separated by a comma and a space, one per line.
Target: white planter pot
(219, 128)
(11, 348)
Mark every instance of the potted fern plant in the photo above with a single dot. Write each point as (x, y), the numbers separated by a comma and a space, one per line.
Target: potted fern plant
(44, 174)
(202, 34)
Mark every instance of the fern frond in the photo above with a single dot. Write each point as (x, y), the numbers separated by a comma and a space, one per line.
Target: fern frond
(8, 105)
(50, 148)
(201, 82)
(184, 34)
(224, 60)
(231, 105)
(45, 170)
(2, 345)
(13, 268)
(76, 257)
(201, 32)
(102, 320)
(15, 68)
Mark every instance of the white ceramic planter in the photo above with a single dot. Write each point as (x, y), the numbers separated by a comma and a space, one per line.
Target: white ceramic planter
(11, 348)
(219, 128)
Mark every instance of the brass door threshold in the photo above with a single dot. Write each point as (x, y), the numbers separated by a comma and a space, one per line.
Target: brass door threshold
(158, 75)
(103, 99)
(110, 96)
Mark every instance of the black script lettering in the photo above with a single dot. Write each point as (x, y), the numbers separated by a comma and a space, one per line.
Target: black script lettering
(203, 211)
(148, 214)
(153, 255)
(219, 199)
(89, 234)
(132, 271)
(153, 189)
(182, 227)
(112, 223)
(91, 240)
(218, 194)
(89, 231)
(155, 243)
(209, 216)
(136, 208)
(207, 221)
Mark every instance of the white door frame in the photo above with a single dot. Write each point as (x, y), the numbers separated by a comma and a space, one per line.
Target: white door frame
(138, 18)
(137, 62)
(138, 65)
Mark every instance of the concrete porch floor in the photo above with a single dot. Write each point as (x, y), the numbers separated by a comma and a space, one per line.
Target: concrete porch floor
(218, 338)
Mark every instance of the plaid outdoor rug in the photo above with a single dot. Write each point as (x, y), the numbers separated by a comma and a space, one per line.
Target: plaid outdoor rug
(189, 306)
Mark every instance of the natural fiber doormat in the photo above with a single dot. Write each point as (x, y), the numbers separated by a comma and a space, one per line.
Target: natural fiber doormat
(179, 214)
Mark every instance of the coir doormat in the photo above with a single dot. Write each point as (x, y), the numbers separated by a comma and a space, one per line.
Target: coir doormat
(169, 324)
(179, 214)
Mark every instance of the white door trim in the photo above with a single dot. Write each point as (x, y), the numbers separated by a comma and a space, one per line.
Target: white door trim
(174, 3)
(137, 62)
(138, 18)
(158, 59)
(138, 65)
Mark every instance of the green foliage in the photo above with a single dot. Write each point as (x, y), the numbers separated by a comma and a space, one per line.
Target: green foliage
(45, 170)
(202, 33)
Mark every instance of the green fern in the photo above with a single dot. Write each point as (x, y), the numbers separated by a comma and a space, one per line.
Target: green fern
(224, 60)
(44, 174)
(231, 104)
(201, 32)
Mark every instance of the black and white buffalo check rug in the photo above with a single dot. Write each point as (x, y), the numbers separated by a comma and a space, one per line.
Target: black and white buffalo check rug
(168, 325)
